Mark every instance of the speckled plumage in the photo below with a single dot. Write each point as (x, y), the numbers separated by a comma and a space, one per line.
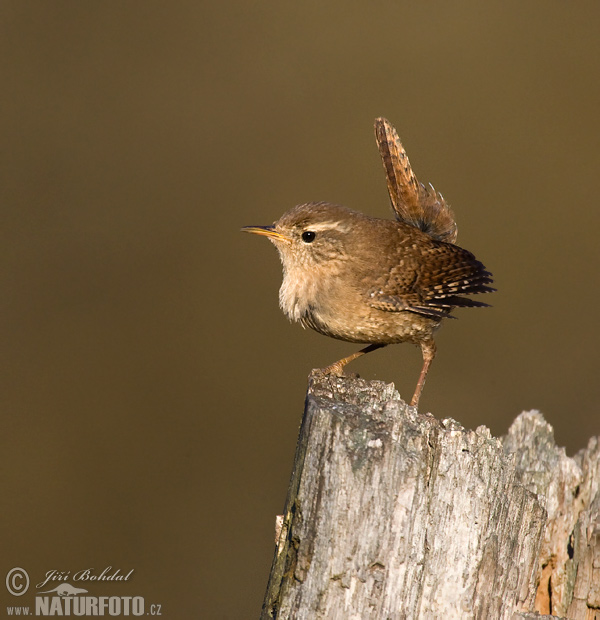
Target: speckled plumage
(364, 279)
(396, 289)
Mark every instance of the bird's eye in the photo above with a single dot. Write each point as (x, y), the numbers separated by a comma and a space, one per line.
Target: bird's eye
(308, 236)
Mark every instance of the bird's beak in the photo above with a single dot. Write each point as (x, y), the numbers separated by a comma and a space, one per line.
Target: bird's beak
(267, 231)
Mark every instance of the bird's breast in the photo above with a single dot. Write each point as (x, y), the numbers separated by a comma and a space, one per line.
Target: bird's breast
(326, 305)
(299, 291)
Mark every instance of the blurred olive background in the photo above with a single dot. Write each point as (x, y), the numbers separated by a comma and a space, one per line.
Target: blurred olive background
(151, 388)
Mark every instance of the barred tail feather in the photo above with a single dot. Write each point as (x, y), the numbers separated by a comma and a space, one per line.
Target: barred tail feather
(412, 202)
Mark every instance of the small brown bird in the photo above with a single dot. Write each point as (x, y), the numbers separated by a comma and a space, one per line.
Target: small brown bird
(364, 279)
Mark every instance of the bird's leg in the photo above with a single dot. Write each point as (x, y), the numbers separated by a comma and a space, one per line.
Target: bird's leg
(338, 367)
(428, 349)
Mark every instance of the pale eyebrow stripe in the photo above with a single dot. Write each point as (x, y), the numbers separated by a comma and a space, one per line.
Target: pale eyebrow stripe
(327, 226)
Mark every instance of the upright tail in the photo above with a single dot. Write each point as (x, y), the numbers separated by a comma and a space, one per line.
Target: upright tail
(413, 203)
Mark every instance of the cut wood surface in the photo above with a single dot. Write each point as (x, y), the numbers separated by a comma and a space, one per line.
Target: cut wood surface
(394, 514)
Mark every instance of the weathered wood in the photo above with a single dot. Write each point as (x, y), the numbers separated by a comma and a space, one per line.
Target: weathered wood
(393, 514)
(569, 562)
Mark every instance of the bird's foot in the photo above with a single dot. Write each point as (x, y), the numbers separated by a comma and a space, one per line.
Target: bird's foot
(336, 369)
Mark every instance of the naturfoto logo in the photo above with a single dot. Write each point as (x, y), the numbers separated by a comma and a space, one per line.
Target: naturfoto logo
(54, 596)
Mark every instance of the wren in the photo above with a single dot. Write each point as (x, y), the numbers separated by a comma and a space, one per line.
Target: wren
(375, 281)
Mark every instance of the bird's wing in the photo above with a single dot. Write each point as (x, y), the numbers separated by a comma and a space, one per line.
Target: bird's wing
(431, 283)
(413, 203)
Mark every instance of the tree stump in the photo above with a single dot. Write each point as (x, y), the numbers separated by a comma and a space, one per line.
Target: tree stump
(392, 514)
